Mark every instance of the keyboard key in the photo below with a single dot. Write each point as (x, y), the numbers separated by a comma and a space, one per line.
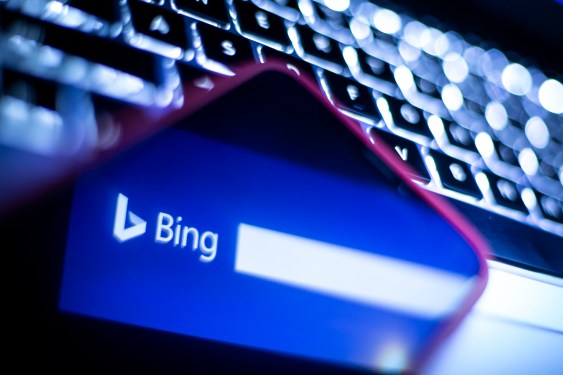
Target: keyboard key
(550, 207)
(334, 18)
(33, 90)
(107, 10)
(491, 148)
(381, 38)
(428, 67)
(189, 73)
(351, 95)
(550, 171)
(475, 109)
(407, 117)
(294, 64)
(32, 123)
(291, 4)
(473, 89)
(455, 175)
(196, 80)
(320, 47)
(506, 193)
(428, 88)
(262, 24)
(459, 136)
(407, 150)
(506, 154)
(117, 55)
(223, 46)
(330, 22)
(159, 23)
(453, 139)
(212, 10)
(374, 67)
(288, 9)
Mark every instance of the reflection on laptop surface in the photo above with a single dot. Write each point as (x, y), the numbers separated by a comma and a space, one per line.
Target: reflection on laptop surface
(468, 95)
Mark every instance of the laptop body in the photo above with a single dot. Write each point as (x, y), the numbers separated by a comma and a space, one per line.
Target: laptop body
(540, 270)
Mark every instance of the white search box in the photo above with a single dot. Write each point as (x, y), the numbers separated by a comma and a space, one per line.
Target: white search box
(348, 274)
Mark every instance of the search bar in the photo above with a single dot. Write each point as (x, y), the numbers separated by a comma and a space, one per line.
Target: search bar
(348, 274)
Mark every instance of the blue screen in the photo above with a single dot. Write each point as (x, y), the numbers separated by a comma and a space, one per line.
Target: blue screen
(168, 235)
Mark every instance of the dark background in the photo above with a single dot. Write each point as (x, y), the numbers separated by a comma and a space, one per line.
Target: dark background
(531, 29)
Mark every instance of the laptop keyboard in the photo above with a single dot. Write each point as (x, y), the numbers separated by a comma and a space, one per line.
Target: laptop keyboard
(474, 126)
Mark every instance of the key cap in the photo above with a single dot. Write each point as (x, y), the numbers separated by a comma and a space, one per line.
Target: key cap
(473, 89)
(116, 55)
(32, 90)
(506, 154)
(288, 9)
(491, 148)
(506, 193)
(261, 24)
(407, 150)
(390, 40)
(189, 72)
(453, 139)
(159, 23)
(476, 109)
(428, 88)
(320, 47)
(459, 136)
(330, 22)
(407, 117)
(550, 171)
(200, 78)
(374, 67)
(550, 207)
(291, 4)
(351, 95)
(224, 47)
(455, 175)
(39, 116)
(107, 10)
(196, 80)
(428, 67)
(212, 10)
(334, 18)
(294, 64)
